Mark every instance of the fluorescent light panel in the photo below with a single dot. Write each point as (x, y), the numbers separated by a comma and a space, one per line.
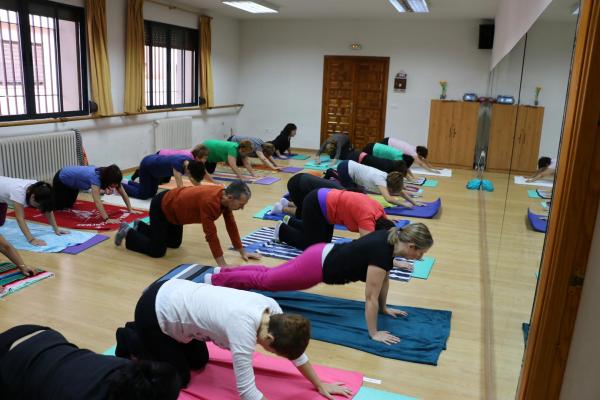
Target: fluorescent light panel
(418, 6)
(252, 7)
(397, 5)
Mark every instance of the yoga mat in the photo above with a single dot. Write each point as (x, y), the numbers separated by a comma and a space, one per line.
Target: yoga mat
(54, 243)
(429, 210)
(173, 184)
(539, 223)
(323, 166)
(532, 194)
(430, 183)
(416, 181)
(117, 200)
(544, 194)
(76, 249)
(520, 180)
(145, 219)
(293, 157)
(84, 215)
(266, 214)
(12, 280)
(291, 170)
(423, 332)
(367, 393)
(421, 268)
(446, 172)
(545, 204)
(259, 180)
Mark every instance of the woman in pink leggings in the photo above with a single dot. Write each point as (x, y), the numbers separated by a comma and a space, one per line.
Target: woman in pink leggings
(368, 259)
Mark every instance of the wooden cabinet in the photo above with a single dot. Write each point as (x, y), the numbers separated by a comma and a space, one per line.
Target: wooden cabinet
(452, 132)
(515, 134)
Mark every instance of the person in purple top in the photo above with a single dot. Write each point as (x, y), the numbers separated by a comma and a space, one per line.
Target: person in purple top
(68, 181)
(154, 168)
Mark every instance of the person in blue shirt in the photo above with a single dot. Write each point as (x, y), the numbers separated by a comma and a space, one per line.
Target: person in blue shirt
(154, 168)
(68, 181)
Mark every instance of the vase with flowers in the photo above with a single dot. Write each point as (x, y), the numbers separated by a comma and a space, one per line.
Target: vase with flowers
(536, 99)
(444, 85)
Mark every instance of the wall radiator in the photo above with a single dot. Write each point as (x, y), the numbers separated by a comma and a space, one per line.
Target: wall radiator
(39, 156)
(173, 133)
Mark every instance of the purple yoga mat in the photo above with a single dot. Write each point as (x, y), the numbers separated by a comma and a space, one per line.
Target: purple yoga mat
(78, 248)
(292, 170)
(267, 180)
(428, 211)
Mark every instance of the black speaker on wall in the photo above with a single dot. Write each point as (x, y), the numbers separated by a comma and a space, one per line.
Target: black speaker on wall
(486, 36)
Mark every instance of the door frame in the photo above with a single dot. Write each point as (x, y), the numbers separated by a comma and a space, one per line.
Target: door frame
(323, 135)
(571, 223)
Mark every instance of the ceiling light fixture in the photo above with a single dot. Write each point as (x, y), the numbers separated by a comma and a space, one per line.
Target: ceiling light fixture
(253, 6)
(397, 5)
(418, 6)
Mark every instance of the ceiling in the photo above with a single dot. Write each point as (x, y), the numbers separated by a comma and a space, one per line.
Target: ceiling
(559, 10)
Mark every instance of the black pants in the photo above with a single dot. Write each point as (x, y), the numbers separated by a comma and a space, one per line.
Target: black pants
(354, 155)
(210, 166)
(313, 228)
(154, 239)
(302, 184)
(343, 175)
(369, 148)
(64, 196)
(183, 356)
(7, 338)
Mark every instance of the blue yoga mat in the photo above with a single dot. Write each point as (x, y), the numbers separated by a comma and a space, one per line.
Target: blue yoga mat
(367, 393)
(537, 223)
(423, 332)
(54, 243)
(266, 214)
(430, 210)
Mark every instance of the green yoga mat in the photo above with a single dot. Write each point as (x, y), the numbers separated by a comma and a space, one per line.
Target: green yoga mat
(430, 183)
(299, 157)
(422, 268)
(262, 212)
(533, 194)
(367, 393)
(320, 167)
(145, 219)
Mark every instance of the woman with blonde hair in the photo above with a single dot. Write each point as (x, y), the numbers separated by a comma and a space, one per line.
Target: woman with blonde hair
(368, 259)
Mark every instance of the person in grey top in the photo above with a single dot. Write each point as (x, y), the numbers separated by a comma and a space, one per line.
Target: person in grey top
(261, 149)
(338, 143)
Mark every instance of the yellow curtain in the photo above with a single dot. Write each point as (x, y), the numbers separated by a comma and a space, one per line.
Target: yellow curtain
(134, 63)
(98, 55)
(206, 80)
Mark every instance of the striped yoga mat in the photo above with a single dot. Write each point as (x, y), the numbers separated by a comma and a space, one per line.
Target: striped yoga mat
(259, 180)
(13, 280)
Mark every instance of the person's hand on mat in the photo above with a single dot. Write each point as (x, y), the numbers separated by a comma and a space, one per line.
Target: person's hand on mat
(317, 160)
(403, 265)
(419, 204)
(250, 256)
(385, 337)
(26, 270)
(137, 212)
(394, 313)
(327, 390)
(112, 221)
(37, 242)
(60, 232)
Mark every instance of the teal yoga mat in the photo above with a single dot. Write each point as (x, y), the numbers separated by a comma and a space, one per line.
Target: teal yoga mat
(367, 393)
(533, 194)
(320, 167)
(422, 268)
(110, 351)
(261, 213)
(299, 157)
(145, 219)
(430, 183)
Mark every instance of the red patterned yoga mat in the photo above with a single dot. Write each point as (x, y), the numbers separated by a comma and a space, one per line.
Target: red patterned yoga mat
(84, 215)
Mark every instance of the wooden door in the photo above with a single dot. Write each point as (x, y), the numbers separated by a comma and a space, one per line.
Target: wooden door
(440, 130)
(526, 146)
(354, 98)
(465, 118)
(502, 134)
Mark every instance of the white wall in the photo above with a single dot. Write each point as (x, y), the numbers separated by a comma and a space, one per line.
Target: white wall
(583, 365)
(281, 70)
(125, 140)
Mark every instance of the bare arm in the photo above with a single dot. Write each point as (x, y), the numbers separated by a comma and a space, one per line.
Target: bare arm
(423, 163)
(125, 198)
(20, 215)
(100, 206)
(231, 161)
(375, 279)
(248, 165)
(52, 220)
(394, 199)
(178, 179)
(363, 232)
(9, 251)
(266, 161)
(325, 389)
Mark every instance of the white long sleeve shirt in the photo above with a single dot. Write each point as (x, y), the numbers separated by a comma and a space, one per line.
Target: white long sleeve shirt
(230, 318)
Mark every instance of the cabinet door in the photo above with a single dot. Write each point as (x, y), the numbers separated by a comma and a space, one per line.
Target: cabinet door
(440, 123)
(464, 133)
(527, 142)
(502, 133)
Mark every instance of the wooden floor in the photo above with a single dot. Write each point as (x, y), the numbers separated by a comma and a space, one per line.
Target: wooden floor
(486, 260)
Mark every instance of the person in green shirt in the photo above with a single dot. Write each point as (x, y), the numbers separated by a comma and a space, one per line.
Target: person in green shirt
(383, 151)
(228, 152)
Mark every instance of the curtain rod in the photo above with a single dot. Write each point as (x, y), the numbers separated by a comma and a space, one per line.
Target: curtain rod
(177, 7)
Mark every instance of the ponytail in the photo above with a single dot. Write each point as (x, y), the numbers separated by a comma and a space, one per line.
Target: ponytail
(417, 234)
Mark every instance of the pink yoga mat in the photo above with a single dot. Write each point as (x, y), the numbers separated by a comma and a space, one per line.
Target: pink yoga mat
(276, 377)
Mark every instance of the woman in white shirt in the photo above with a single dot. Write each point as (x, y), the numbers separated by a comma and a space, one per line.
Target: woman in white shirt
(390, 186)
(174, 319)
(21, 193)
(546, 169)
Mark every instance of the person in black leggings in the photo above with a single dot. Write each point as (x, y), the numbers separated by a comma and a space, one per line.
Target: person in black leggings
(298, 187)
(382, 164)
(37, 362)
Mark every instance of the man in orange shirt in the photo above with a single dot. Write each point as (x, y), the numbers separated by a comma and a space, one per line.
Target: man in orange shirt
(170, 210)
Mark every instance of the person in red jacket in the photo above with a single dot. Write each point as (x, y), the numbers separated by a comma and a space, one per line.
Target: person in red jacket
(170, 210)
(323, 208)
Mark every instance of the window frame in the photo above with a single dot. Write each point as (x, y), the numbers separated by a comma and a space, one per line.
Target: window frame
(24, 8)
(169, 27)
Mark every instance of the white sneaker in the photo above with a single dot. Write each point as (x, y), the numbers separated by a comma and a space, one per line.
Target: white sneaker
(276, 231)
(277, 208)
(284, 202)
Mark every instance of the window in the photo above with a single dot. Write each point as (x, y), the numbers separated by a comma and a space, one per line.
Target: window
(171, 65)
(42, 43)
